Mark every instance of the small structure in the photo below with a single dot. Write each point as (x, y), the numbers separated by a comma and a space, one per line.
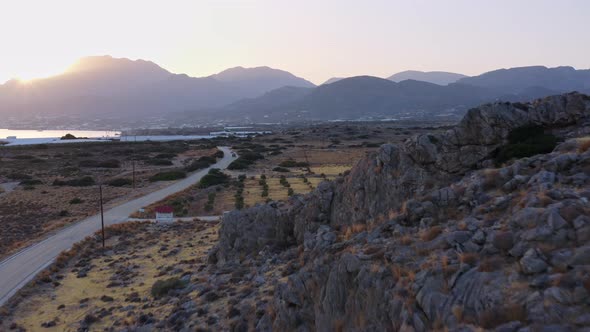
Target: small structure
(164, 214)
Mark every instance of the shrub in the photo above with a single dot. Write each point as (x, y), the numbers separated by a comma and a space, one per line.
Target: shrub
(85, 181)
(210, 201)
(240, 164)
(159, 162)
(19, 176)
(63, 213)
(214, 177)
(525, 142)
(245, 160)
(168, 176)
(218, 154)
(293, 163)
(284, 181)
(290, 192)
(165, 156)
(30, 182)
(120, 182)
(280, 169)
(431, 233)
(200, 163)
(76, 201)
(163, 287)
(111, 163)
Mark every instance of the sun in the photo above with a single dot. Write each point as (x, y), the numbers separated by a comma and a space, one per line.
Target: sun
(26, 72)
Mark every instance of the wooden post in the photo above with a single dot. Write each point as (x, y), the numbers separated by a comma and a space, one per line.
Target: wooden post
(101, 213)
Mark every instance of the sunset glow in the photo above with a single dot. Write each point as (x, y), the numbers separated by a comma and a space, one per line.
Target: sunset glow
(313, 39)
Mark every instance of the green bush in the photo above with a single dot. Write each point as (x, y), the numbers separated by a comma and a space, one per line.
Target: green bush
(30, 182)
(165, 156)
(293, 163)
(524, 142)
(200, 163)
(239, 164)
(111, 163)
(168, 176)
(210, 201)
(214, 177)
(246, 159)
(85, 181)
(19, 176)
(120, 182)
(76, 201)
(159, 162)
(162, 287)
(281, 169)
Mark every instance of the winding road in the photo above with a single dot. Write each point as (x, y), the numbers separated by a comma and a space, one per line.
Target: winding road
(20, 268)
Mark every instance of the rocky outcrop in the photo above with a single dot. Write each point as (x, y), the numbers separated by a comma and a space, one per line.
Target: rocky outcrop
(420, 236)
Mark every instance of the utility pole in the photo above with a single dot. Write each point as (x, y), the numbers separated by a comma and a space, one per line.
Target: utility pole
(101, 213)
(133, 174)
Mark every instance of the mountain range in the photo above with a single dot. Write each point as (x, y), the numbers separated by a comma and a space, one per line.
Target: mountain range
(436, 77)
(102, 87)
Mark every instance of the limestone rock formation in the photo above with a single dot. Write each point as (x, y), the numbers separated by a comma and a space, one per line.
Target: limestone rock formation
(428, 234)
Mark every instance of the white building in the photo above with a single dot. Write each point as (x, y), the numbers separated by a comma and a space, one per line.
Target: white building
(164, 214)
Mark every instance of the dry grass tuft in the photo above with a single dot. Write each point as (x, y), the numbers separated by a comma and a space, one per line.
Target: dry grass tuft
(469, 258)
(490, 178)
(584, 145)
(490, 264)
(430, 233)
(493, 317)
(351, 230)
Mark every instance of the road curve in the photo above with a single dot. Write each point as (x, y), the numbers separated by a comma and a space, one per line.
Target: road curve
(20, 268)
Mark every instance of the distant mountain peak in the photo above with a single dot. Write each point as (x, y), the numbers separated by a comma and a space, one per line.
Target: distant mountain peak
(107, 62)
(333, 80)
(239, 74)
(436, 77)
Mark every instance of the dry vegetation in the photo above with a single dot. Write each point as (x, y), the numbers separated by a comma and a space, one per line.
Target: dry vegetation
(130, 285)
(50, 192)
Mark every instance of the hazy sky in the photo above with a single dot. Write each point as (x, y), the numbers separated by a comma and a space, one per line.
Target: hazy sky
(315, 39)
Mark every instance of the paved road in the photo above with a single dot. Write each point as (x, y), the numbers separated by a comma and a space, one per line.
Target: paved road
(17, 270)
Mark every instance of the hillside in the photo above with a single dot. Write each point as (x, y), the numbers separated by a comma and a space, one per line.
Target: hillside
(517, 80)
(367, 97)
(482, 226)
(96, 87)
(363, 97)
(435, 77)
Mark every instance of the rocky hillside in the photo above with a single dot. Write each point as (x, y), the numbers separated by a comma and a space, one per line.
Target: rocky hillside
(431, 234)
(484, 226)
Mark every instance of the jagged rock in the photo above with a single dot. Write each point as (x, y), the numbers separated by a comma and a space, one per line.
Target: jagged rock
(532, 262)
(581, 256)
(416, 266)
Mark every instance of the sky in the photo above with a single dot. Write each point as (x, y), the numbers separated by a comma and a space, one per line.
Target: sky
(314, 39)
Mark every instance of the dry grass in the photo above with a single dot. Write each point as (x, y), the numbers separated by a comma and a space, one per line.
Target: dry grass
(584, 144)
(431, 233)
(469, 258)
(493, 317)
(406, 239)
(490, 264)
(349, 231)
(490, 178)
(457, 312)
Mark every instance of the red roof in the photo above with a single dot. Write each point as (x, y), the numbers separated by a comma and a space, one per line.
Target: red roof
(164, 209)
